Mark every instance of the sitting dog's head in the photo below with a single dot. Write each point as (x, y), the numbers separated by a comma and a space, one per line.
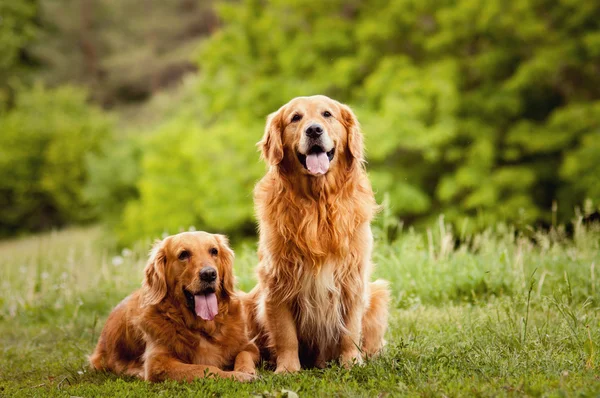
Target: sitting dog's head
(312, 135)
(195, 268)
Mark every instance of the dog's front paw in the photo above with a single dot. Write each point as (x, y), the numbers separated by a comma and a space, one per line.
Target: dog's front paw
(241, 376)
(246, 369)
(287, 365)
(351, 358)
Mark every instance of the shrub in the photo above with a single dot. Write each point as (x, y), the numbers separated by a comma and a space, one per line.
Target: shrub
(194, 176)
(484, 111)
(43, 145)
(18, 29)
(469, 108)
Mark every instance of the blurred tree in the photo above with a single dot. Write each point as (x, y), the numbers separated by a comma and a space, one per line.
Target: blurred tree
(18, 28)
(45, 139)
(484, 111)
(193, 177)
(469, 107)
(123, 51)
(113, 173)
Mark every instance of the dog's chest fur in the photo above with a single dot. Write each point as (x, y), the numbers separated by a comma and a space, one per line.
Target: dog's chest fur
(318, 306)
(217, 344)
(211, 353)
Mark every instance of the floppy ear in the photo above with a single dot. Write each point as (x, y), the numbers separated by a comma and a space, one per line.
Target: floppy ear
(355, 137)
(271, 144)
(226, 257)
(154, 286)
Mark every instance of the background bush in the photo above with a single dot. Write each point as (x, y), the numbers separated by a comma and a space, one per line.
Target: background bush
(45, 139)
(17, 32)
(486, 111)
(483, 111)
(193, 176)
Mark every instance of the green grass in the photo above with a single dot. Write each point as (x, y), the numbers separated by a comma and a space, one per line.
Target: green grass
(499, 315)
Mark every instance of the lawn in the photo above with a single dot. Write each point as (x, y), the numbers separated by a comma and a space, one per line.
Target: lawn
(500, 314)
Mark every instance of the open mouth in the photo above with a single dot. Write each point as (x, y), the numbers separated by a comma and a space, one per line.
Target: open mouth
(204, 304)
(316, 161)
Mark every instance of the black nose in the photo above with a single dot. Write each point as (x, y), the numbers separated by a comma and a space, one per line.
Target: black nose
(208, 274)
(314, 130)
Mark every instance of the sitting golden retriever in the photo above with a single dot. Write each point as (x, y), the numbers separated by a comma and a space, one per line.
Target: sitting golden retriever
(185, 322)
(314, 302)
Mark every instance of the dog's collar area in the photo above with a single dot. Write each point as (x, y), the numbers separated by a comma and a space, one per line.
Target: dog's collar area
(314, 149)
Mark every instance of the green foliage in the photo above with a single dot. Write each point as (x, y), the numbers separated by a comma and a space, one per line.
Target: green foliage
(112, 175)
(193, 176)
(17, 30)
(44, 141)
(485, 111)
(122, 51)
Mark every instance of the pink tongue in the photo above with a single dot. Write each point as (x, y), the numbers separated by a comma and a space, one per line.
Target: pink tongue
(317, 163)
(206, 306)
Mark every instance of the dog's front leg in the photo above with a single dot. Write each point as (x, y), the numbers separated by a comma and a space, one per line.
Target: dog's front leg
(246, 359)
(164, 367)
(282, 328)
(355, 298)
(350, 339)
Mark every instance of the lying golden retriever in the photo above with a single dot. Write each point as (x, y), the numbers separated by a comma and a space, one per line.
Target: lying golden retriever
(185, 322)
(314, 302)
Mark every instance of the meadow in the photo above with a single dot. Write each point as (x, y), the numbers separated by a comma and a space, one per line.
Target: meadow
(142, 117)
(503, 313)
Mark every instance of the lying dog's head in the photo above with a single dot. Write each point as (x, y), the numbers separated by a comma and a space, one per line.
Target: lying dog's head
(195, 268)
(312, 135)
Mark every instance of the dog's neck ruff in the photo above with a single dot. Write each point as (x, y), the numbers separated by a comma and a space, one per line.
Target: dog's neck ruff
(312, 219)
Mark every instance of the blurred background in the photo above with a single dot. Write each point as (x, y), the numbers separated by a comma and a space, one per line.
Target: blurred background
(142, 115)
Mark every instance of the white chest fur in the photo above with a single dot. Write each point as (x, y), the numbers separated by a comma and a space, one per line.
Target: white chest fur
(319, 308)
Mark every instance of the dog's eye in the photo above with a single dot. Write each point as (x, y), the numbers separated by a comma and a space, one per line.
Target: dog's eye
(184, 255)
(296, 118)
(213, 251)
(326, 114)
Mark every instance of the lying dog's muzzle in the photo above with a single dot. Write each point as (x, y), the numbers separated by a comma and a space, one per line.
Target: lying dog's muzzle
(203, 303)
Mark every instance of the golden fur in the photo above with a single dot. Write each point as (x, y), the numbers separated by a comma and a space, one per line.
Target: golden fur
(154, 334)
(314, 302)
